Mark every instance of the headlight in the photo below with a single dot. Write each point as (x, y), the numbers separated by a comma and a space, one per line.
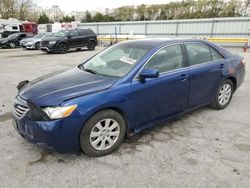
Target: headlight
(59, 112)
(52, 42)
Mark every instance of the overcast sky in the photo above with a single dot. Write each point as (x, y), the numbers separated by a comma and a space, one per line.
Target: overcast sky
(94, 5)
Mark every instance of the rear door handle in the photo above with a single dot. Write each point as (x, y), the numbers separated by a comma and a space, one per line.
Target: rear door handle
(184, 77)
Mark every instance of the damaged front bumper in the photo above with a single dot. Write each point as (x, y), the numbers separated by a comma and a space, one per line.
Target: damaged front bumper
(60, 135)
(35, 126)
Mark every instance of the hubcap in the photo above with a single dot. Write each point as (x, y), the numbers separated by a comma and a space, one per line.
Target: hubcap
(63, 48)
(104, 134)
(12, 45)
(224, 94)
(91, 45)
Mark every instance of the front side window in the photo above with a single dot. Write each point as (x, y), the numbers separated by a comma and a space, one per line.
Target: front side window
(115, 61)
(62, 33)
(73, 33)
(39, 35)
(167, 59)
(198, 53)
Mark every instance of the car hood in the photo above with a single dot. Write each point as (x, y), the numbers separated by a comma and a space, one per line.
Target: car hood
(53, 38)
(30, 40)
(3, 40)
(55, 88)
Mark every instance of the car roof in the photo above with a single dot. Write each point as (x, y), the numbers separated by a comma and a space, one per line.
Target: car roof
(156, 42)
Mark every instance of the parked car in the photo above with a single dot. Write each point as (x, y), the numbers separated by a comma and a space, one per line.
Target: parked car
(122, 90)
(34, 42)
(63, 40)
(13, 40)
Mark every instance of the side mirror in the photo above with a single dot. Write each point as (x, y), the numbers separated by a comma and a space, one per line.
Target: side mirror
(69, 36)
(149, 73)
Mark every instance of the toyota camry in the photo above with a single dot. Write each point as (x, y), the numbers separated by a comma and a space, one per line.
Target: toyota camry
(123, 90)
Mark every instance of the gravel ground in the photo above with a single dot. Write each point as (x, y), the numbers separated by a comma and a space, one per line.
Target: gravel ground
(204, 148)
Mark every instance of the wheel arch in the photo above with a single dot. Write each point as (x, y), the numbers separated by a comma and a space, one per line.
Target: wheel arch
(114, 108)
(93, 39)
(234, 81)
(62, 42)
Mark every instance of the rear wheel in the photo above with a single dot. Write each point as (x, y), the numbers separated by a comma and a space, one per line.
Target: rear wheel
(102, 133)
(12, 45)
(62, 48)
(223, 95)
(91, 45)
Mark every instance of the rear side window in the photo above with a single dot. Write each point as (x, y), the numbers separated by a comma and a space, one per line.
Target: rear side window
(198, 53)
(167, 59)
(83, 32)
(215, 55)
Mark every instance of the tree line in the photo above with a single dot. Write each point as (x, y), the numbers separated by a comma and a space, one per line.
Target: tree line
(186, 9)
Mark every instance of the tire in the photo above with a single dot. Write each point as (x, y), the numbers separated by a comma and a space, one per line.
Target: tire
(78, 49)
(91, 45)
(223, 95)
(102, 133)
(62, 48)
(12, 45)
(37, 46)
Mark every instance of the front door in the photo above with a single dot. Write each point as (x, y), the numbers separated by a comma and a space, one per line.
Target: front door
(155, 98)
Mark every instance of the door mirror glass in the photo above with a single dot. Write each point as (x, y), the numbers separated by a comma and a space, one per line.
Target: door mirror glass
(149, 73)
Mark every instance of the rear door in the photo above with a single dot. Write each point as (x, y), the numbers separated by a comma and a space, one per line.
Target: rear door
(73, 38)
(159, 97)
(206, 66)
(84, 36)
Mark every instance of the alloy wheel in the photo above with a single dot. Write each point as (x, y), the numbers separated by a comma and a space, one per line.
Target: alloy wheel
(12, 45)
(225, 93)
(104, 134)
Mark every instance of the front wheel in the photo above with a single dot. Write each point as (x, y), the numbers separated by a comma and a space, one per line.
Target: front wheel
(37, 46)
(62, 48)
(102, 133)
(224, 95)
(12, 45)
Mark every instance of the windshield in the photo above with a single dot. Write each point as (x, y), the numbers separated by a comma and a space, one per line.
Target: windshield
(116, 61)
(39, 35)
(13, 36)
(47, 35)
(61, 34)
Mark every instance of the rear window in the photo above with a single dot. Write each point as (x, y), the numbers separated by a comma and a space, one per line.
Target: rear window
(85, 32)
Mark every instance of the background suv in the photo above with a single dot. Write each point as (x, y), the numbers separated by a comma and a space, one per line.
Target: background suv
(63, 40)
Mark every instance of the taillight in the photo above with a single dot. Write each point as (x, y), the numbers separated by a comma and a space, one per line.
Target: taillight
(243, 62)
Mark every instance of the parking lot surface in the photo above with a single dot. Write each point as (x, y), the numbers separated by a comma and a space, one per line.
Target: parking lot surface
(204, 148)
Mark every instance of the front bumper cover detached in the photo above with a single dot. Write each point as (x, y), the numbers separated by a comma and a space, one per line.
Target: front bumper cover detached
(35, 113)
(36, 127)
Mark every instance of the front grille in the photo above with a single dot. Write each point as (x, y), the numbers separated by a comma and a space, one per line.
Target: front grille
(20, 107)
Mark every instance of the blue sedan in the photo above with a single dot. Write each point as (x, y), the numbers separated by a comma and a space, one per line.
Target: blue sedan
(123, 90)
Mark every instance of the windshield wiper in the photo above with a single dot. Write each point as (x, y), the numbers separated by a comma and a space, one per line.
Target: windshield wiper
(87, 70)
(90, 71)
